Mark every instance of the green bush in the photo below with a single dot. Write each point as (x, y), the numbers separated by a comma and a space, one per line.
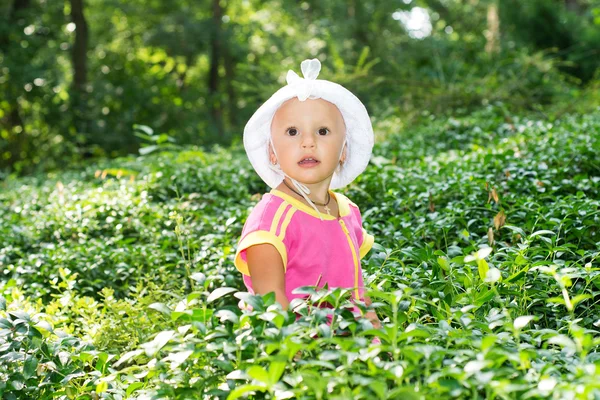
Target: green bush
(485, 273)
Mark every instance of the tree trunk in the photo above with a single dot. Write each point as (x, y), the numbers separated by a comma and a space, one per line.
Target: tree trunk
(492, 33)
(214, 99)
(79, 61)
(360, 19)
(80, 47)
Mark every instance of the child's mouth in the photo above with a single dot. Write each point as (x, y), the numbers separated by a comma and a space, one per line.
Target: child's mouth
(308, 163)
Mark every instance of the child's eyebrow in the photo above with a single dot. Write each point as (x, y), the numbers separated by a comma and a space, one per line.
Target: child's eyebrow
(330, 127)
(321, 123)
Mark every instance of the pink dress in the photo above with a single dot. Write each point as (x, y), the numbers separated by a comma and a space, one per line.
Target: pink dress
(314, 252)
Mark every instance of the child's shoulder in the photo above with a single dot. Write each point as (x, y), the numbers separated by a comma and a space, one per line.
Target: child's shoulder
(265, 210)
(345, 199)
(348, 207)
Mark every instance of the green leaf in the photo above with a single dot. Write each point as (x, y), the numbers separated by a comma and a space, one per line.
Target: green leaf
(516, 276)
(20, 315)
(148, 149)
(198, 277)
(520, 260)
(579, 298)
(5, 324)
(542, 232)
(226, 315)
(179, 358)
(563, 341)
(30, 366)
(487, 342)
(158, 343)
(160, 307)
(485, 296)
(101, 362)
(242, 390)
(255, 301)
(259, 373)
(128, 356)
(404, 393)
(16, 384)
(185, 315)
(521, 322)
(44, 325)
(133, 387)
(85, 356)
(101, 387)
(163, 138)
(515, 229)
(218, 293)
(230, 221)
(483, 268)
(379, 388)
(237, 375)
(443, 262)
(144, 128)
(275, 371)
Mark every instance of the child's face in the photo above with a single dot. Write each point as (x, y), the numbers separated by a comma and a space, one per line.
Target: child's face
(311, 128)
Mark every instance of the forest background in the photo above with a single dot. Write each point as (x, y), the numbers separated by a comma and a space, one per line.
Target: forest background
(78, 77)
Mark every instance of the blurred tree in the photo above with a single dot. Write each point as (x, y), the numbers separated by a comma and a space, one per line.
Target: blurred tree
(573, 6)
(33, 109)
(14, 132)
(567, 26)
(216, 50)
(79, 60)
(492, 33)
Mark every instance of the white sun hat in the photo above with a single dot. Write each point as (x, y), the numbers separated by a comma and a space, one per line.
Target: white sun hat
(359, 131)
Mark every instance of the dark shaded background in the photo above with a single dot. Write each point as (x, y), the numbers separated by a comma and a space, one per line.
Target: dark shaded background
(77, 76)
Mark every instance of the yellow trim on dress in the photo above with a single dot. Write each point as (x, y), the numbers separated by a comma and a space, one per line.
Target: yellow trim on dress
(343, 204)
(367, 243)
(259, 237)
(354, 258)
(341, 200)
(286, 222)
(277, 217)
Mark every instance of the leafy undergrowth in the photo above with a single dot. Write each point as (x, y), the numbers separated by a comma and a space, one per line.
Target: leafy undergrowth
(118, 279)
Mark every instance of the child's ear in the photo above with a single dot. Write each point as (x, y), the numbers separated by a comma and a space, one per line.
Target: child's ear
(272, 157)
(344, 153)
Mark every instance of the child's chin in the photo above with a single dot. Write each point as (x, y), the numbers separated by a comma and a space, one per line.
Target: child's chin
(310, 180)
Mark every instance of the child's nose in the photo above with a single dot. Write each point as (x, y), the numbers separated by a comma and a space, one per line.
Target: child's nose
(308, 141)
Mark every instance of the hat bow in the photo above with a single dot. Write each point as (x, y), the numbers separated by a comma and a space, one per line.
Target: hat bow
(310, 70)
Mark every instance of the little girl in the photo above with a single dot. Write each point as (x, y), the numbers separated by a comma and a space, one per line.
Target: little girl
(311, 136)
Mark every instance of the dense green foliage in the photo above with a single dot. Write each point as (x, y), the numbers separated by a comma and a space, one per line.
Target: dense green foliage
(485, 273)
(117, 277)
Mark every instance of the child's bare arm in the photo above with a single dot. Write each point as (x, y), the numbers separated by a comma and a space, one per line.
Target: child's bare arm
(266, 271)
(371, 315)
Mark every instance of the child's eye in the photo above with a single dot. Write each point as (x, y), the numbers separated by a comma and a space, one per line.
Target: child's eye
(292, 131)
(323, 131)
